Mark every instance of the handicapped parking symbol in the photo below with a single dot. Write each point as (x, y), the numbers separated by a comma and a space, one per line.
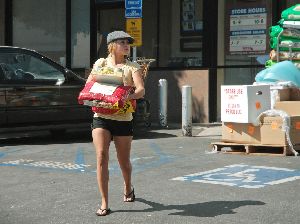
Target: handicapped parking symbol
(246, 176)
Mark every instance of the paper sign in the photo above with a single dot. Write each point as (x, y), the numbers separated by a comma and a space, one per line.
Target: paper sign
(134, 29)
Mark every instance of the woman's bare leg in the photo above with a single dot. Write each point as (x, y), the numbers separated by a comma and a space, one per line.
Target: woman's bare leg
(101, 140)
(123, 147)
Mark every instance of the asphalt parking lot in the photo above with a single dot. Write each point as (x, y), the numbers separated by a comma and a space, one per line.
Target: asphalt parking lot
(177, 180)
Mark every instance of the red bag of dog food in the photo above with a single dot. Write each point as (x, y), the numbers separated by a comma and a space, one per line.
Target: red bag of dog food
(107, 98)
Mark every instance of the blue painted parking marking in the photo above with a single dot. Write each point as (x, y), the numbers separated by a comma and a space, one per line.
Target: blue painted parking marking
(159, 158)
(80, 159)
(79, 165)
(2, 154)
(245, 176)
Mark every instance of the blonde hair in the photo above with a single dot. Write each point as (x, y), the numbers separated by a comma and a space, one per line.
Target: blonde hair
(110, 48)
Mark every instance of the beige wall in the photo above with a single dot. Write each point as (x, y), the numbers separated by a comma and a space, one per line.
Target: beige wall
(197, 79)
(2, 22)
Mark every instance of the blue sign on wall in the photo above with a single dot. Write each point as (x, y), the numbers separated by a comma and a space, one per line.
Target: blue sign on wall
(241, 175)
(133, 13)
(133, 4)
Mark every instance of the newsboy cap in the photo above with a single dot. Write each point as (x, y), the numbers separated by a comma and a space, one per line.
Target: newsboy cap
(117, 35)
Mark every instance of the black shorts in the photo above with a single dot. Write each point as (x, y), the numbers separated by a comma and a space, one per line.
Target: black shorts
(116, 128)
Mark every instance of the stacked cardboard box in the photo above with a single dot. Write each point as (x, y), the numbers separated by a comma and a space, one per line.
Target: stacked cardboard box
(273, 134)
(243, 127)
(240, 107)
(292, 107)
(243, 103)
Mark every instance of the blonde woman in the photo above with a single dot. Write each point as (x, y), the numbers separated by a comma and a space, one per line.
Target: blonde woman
(116, 127)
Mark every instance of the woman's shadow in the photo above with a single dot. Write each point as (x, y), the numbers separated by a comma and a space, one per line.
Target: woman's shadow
(205, 209)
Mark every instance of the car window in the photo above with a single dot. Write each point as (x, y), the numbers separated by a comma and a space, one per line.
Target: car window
(23, 68)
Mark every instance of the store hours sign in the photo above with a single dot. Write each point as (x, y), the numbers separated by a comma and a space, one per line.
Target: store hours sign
(248, 30)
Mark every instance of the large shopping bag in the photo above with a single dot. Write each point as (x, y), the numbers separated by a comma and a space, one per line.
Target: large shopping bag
(128, 107)
(107, 98)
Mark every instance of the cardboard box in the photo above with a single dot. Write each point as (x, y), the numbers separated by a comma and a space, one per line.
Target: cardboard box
(268, 133)
(284, 93)
(243, 103)
(292, 108)
(272, 133)
(240, 133)
(294, 94)
(279, 93)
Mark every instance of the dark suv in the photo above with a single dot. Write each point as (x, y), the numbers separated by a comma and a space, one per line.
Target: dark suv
(38, 94)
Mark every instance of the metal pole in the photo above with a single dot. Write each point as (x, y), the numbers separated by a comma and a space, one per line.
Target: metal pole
(134, 53)
(163, 102)
(186, 110)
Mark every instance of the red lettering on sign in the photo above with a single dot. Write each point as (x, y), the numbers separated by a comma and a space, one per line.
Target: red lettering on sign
(233, 111)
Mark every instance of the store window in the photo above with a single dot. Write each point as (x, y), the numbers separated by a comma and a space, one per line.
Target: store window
(180, 27)
(244, 38)
(149, 47)
(80, 34)
(41, 26)
(2, 22)
(111, 16)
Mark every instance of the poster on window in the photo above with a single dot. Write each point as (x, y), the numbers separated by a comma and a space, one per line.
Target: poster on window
(190, 18)
(248, 29)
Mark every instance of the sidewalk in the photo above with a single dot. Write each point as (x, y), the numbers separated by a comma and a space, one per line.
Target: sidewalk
(205, 130)
(213, 130)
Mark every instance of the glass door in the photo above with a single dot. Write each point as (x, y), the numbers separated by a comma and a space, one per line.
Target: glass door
(110, 17)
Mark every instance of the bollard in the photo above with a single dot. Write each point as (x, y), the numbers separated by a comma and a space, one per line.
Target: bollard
(134, 54)
(163, 102)
(186, 110)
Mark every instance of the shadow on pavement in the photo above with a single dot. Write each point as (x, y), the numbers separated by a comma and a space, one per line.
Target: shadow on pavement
(155, 131)
(152, 134)
(45, 138)
(82, 136)
(205, 209)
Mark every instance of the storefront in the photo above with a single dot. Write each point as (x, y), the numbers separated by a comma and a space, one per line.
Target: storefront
(192, 46)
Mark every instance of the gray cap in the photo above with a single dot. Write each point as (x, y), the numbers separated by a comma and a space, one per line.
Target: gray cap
(117, 35)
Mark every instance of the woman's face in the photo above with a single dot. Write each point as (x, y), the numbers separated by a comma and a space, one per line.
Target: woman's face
(122, 47)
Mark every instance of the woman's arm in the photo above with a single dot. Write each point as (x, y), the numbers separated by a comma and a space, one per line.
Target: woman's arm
(138, 81)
